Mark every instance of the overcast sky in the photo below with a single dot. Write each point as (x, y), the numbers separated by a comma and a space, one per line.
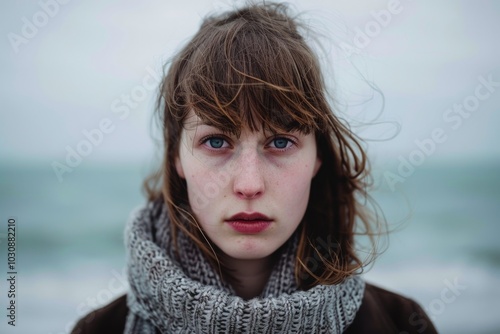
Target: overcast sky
(67, 68)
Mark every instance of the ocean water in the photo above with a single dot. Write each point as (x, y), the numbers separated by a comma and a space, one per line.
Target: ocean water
(444, 252)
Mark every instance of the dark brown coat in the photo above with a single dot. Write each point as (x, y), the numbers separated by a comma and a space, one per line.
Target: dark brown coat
(381, 312)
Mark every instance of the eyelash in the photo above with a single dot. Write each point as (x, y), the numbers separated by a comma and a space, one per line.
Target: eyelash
(289, 140)
(205, 139)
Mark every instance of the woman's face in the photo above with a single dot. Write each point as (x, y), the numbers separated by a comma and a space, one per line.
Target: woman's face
(248, 193)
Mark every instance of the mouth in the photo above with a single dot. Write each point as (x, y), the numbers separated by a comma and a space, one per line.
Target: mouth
(249, 223)
(253, 216)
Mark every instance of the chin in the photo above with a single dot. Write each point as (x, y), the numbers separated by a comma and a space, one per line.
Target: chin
(250, 249)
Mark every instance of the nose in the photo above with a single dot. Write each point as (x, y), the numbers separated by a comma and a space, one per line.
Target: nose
(249, 182)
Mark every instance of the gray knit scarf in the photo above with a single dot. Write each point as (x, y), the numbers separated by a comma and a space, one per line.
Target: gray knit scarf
(184, 294)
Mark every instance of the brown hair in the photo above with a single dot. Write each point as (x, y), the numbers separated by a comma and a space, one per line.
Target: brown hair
(252, 67)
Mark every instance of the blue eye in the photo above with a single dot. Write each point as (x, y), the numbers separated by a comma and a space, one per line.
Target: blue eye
(281, 143)
(215, 142)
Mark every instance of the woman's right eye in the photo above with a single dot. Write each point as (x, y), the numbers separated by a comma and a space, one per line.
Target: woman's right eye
(216, 142)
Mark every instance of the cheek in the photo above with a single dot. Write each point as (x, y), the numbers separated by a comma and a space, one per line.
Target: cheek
(294, 186)
(194, 181)
(203, 191)
(193, 171)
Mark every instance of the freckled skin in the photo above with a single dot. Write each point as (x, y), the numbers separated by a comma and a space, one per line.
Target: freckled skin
(247, 174)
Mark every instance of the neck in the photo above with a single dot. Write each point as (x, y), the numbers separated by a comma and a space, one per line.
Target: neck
(248, 277)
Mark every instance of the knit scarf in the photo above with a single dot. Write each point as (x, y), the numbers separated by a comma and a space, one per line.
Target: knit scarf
(184, 294)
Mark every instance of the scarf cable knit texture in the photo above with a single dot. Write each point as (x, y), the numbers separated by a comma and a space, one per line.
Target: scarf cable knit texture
(186, 295)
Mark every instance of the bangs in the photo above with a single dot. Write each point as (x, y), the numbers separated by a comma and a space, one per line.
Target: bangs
(243, 73)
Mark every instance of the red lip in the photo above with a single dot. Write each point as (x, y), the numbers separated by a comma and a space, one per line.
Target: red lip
(249, 223)
(249, 216)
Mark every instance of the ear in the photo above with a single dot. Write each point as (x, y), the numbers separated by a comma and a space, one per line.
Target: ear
(317, 165)
(178, 167)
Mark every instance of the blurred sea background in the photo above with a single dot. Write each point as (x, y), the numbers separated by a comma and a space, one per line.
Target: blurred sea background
(89, 56)
(71, 257)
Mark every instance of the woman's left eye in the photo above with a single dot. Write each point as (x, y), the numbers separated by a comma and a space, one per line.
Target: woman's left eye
(281, 143)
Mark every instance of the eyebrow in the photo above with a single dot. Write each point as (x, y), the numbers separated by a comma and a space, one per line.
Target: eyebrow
(273, 128)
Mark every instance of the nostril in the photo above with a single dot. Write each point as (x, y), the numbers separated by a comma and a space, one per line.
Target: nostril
(249, 194)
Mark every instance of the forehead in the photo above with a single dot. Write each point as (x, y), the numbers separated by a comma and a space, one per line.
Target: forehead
(239, 74)
(192, 121)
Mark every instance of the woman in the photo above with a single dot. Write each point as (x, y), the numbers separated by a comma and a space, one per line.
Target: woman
(250, 222)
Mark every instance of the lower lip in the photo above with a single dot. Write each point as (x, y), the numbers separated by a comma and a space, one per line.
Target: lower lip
(249, 227)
